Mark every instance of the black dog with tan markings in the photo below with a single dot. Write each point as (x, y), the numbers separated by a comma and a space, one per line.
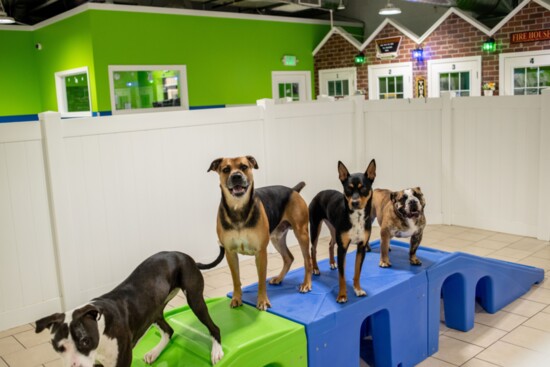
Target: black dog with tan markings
(249, 217)
(399, 214)
(347, 216)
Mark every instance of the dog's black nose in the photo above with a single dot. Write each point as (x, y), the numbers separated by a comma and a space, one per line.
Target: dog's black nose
(237, 179)
(355, 204)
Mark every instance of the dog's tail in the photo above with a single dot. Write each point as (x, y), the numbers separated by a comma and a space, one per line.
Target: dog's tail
(215, 262)
(299, 186)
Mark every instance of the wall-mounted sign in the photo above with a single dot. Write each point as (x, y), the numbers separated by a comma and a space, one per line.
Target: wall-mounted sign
(530, 36)
(289, 60)
(420, 83)
(387, 48)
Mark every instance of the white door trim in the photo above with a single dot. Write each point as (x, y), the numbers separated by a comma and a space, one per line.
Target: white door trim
(383, 70)
(471, 64)
(507, 62)
(347, 73)
(291, 77)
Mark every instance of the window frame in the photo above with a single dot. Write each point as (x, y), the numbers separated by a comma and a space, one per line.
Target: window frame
(460, 64)
(349, 74)
(511, 60)
(404, 69)
(61, 92)
(182, 84)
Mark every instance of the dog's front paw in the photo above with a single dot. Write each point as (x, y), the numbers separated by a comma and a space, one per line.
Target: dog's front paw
(236, 302)
(151, 356)
(263, 305)
(359, 292)
(217, 352)
(384, 264)
(415, 261)
(275, 281)
(304, 288)
(342, 298)
(333, 266)
(316, 272)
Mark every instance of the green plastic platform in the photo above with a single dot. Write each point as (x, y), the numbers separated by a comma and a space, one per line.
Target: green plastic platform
(250, 338)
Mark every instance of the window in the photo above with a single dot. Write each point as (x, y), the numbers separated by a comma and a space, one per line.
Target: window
(290, 90)
(531, 80)
(459, 83)
(460, 76)
(391, 87)
(390, 81)
(73, 92)
(338, 88)
(524, 73)
(337, 82)
(295, 85)
(148, 88)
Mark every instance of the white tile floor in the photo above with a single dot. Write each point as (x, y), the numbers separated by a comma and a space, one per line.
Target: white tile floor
(517, 336)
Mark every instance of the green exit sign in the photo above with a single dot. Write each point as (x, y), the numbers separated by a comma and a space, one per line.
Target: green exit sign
(290, 60)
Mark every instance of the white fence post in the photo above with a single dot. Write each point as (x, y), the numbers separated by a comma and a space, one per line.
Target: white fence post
(54, 163)
(543, 227)
(446, 157)
(360, 159)
(266, 105)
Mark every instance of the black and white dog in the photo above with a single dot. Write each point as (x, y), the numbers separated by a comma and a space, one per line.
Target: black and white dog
(105, 330)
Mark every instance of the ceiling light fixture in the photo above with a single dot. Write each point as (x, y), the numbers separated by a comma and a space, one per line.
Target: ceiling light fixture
(389, 9)
(4, 19)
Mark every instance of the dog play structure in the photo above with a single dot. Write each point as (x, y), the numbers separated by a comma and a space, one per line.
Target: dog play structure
(396, 325)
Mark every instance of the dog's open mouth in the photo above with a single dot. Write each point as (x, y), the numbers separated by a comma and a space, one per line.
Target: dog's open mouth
(414, 214)
(237, 190)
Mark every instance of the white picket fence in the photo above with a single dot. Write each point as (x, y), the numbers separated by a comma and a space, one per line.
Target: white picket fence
(83, 201)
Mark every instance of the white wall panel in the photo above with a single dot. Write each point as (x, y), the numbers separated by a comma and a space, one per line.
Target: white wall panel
(496, 163)
(405, 139)
(28, 277)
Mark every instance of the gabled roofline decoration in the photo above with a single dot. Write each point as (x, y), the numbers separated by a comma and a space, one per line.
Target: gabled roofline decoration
(465, 16)
(393, 23)
(516, 10)
(342, 32)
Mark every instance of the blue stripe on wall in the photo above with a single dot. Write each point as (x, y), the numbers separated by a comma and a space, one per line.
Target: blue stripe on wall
(22, 118)
(18, 118)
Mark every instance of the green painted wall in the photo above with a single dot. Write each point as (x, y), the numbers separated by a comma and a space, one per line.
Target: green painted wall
(19, 90)
(229, 61)
(66, 45)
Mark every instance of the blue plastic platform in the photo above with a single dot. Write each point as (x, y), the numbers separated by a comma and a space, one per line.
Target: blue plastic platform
(397, 323)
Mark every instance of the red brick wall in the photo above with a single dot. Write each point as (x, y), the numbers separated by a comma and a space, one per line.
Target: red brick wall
(453, 38)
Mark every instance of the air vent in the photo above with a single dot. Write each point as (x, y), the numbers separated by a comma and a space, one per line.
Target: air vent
(311, 3)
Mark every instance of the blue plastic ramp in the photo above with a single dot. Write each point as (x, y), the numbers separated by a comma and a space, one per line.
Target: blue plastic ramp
(397, 323)
(462, 279)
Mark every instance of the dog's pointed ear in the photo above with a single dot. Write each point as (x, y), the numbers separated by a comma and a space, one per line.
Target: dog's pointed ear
(88, 311)
(252, 161)
(49, 322)
(343, 172)
(215, 165)
(370, 173)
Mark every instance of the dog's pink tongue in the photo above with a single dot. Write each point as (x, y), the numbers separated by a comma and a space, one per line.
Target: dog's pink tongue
(238, 190)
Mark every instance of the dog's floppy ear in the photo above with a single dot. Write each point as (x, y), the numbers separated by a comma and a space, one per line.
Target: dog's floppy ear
(393, 197)
(252, 161)
(343, 172)
(49, 322)
(215, 165)
(371, 170)
(87, 311)
(418, 193)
